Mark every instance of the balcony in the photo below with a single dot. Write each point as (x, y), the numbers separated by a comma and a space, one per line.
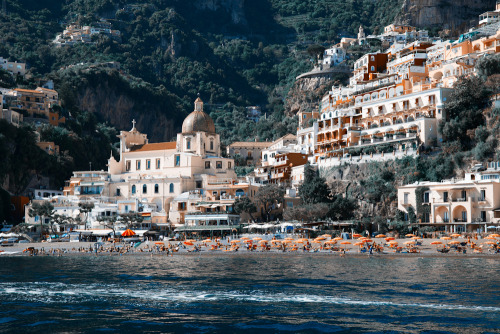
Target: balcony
(277, 175)
(282, 162)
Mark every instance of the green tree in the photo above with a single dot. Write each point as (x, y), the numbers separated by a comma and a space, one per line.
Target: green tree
(86, 208)
(130, 219)
(314, 188)
(464, 111)
(245, 205)
(270, 196)
(342, 208)
(43, 210)
(307, 212)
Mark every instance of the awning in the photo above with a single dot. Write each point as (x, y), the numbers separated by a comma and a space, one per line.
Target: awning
(207, 228)
(101, 233)
(87, 184)
(164, 224)
(140, 232)
(83, 232)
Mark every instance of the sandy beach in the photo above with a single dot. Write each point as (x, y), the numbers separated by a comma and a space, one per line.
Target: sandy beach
(397, 247)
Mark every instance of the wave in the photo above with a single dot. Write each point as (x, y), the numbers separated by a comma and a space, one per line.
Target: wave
(64, 293)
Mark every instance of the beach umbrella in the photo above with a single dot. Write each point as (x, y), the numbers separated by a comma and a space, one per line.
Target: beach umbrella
(300, 241)
(410, 235)
(316, 242)
(345, 243)
(456, 235)
(235, 241)
(288, 238)
(128, 233)
(244, 238)
(445, 238)
(337, 238)
(326, 236)
(495, 235)
(358, 244)
(389, 238)
(454, 242)
(188, 243)
(490, 238)
(257, 239)
(436, 243)
(490, 243)
(356, 235)
(158, 243)
(411, 242)
(380, 236)
(416, 238)
(320, 238)
(207, 240)
(191, 240)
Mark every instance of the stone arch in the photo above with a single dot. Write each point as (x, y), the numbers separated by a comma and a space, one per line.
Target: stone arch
(442, 215)
(459, 213)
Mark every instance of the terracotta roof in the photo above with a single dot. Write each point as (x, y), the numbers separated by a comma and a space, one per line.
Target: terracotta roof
(251, 144)
(46, 89)
(285, 137)
(27, 90)
(155, 147)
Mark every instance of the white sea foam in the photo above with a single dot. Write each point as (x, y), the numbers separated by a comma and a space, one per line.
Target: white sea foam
(61, 292)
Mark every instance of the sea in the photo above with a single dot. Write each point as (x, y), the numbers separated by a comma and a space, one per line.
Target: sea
(249, 293)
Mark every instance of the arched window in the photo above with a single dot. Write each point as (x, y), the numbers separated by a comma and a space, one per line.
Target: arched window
(171, 188)
(133, 189)
(144, 189)
(240, 192)
(188, 143)
(211, 145)
(265, 157)
(157, 189)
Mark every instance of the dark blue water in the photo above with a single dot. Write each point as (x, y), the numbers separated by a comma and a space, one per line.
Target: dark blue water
(250, 294)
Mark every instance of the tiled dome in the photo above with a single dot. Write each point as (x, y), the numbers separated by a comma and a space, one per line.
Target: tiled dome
(198, 120)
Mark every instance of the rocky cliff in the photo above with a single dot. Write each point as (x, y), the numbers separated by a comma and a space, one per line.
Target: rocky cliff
(234, 7)
(305, 94)
(455, 15)
(119, 109)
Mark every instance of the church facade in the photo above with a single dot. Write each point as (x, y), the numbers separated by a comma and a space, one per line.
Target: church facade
(188, 180)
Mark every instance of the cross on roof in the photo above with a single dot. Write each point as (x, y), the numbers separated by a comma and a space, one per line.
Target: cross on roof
(133, 124)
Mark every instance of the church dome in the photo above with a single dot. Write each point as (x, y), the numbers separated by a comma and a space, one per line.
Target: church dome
(198, 120)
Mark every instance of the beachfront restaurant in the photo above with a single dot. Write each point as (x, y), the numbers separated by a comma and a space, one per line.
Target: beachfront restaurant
(218, 223)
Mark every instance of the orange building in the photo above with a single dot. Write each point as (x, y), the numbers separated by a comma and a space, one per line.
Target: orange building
(49, 147)
(39, 102)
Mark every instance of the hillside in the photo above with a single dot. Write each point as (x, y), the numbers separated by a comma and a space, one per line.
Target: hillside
(246, 53)
(470, 136)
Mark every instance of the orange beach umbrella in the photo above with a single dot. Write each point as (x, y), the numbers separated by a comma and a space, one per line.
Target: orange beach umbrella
(128, 233)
